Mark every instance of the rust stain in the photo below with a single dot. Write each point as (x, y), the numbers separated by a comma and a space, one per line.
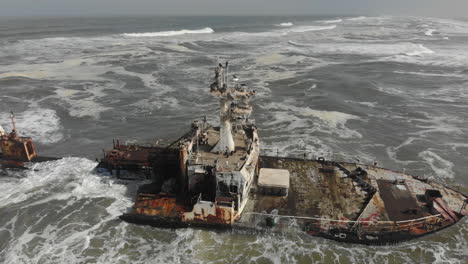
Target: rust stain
(17, 148)
(158, 205)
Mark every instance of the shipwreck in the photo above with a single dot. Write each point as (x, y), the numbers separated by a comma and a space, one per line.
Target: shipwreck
(216, 177)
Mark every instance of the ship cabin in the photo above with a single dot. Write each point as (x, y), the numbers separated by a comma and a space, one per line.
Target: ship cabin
(222, 181)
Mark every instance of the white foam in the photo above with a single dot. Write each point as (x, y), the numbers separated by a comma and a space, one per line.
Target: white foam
(152, 104)
(285, 24)
(41, 124)
(420, 51)
(79, 106)
(293, 117)
(392, 51)
(429, 32)
(276, 58)
(442, 167)
(206, 30)
(368, 104)
(25, 74)
(178, 47)
(85, 205)
(434, 74)
(298, 44)
(302, 29)
(392, 151)
(356, 18)
(437, 124)
(332, 21)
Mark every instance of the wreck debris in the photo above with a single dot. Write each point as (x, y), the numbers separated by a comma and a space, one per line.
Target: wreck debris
(15, 150)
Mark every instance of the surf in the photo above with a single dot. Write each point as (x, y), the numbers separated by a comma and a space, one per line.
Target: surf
(285, 24)
(169, 33)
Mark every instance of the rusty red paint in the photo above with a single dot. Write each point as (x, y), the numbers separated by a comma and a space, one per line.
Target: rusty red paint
(158, 205)
(16, 148)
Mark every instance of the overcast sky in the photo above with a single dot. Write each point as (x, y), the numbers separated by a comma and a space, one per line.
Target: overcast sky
(440, 8)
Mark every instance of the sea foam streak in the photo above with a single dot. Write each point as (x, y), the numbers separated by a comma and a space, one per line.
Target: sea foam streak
(206, 30)
(402, 48)
(285, 24)
(310, 28)
(442, 167)
(43, 125)
(332, 21)
(429, 32)
(356, 18)
(421, 50)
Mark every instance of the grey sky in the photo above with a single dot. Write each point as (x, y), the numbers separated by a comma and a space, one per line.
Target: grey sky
(441, 8)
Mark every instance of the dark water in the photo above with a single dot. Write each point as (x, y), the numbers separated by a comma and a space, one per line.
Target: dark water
(385, 89)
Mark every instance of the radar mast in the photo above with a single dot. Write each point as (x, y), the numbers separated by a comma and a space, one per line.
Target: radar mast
(234, 106)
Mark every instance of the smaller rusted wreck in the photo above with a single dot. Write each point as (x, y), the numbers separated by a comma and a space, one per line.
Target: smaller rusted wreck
(216, 177)
(15, 151)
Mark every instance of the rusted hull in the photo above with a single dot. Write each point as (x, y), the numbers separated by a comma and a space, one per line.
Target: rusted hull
(346, 235)
(375, 238)
(163, 222)
(380, 232)
(324, 201)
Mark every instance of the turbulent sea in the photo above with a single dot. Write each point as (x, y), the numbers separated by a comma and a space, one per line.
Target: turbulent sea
(392, 90)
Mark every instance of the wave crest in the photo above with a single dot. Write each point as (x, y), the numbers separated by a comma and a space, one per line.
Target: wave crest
(285, 24)
(311, 28)
(356, 18)
(421, 50)
(206, 30)
(339, 20)
(429, 32)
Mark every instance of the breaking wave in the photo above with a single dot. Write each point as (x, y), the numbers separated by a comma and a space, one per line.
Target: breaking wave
(356, 18)
(43, 125)
(206, 30)
(332, 21)
(442, 167)
(420, 51)
(301, 29)
(402, 48)
(285, 24)
(429, 32)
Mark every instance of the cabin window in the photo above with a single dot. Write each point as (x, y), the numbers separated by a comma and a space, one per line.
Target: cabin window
(233, 188)
(222, 186)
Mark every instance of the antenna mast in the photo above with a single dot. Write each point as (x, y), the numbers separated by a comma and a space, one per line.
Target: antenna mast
(13, 122)
(234, 104)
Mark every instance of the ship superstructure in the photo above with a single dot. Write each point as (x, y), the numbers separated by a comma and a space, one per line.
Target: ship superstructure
(206, 176)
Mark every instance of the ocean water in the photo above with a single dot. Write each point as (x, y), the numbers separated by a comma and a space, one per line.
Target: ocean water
(392, 90)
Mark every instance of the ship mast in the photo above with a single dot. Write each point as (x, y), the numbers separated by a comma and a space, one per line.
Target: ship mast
(14, 133)
(234, 106)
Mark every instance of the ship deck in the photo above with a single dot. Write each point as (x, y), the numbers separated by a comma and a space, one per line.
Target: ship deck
(320, 191)
(316, 190)
(323, 200)
(203, 154)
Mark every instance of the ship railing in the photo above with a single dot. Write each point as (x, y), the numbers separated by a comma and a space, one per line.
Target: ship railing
(196, 199)
(325, 224)
(308, 155)
(146, 142)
